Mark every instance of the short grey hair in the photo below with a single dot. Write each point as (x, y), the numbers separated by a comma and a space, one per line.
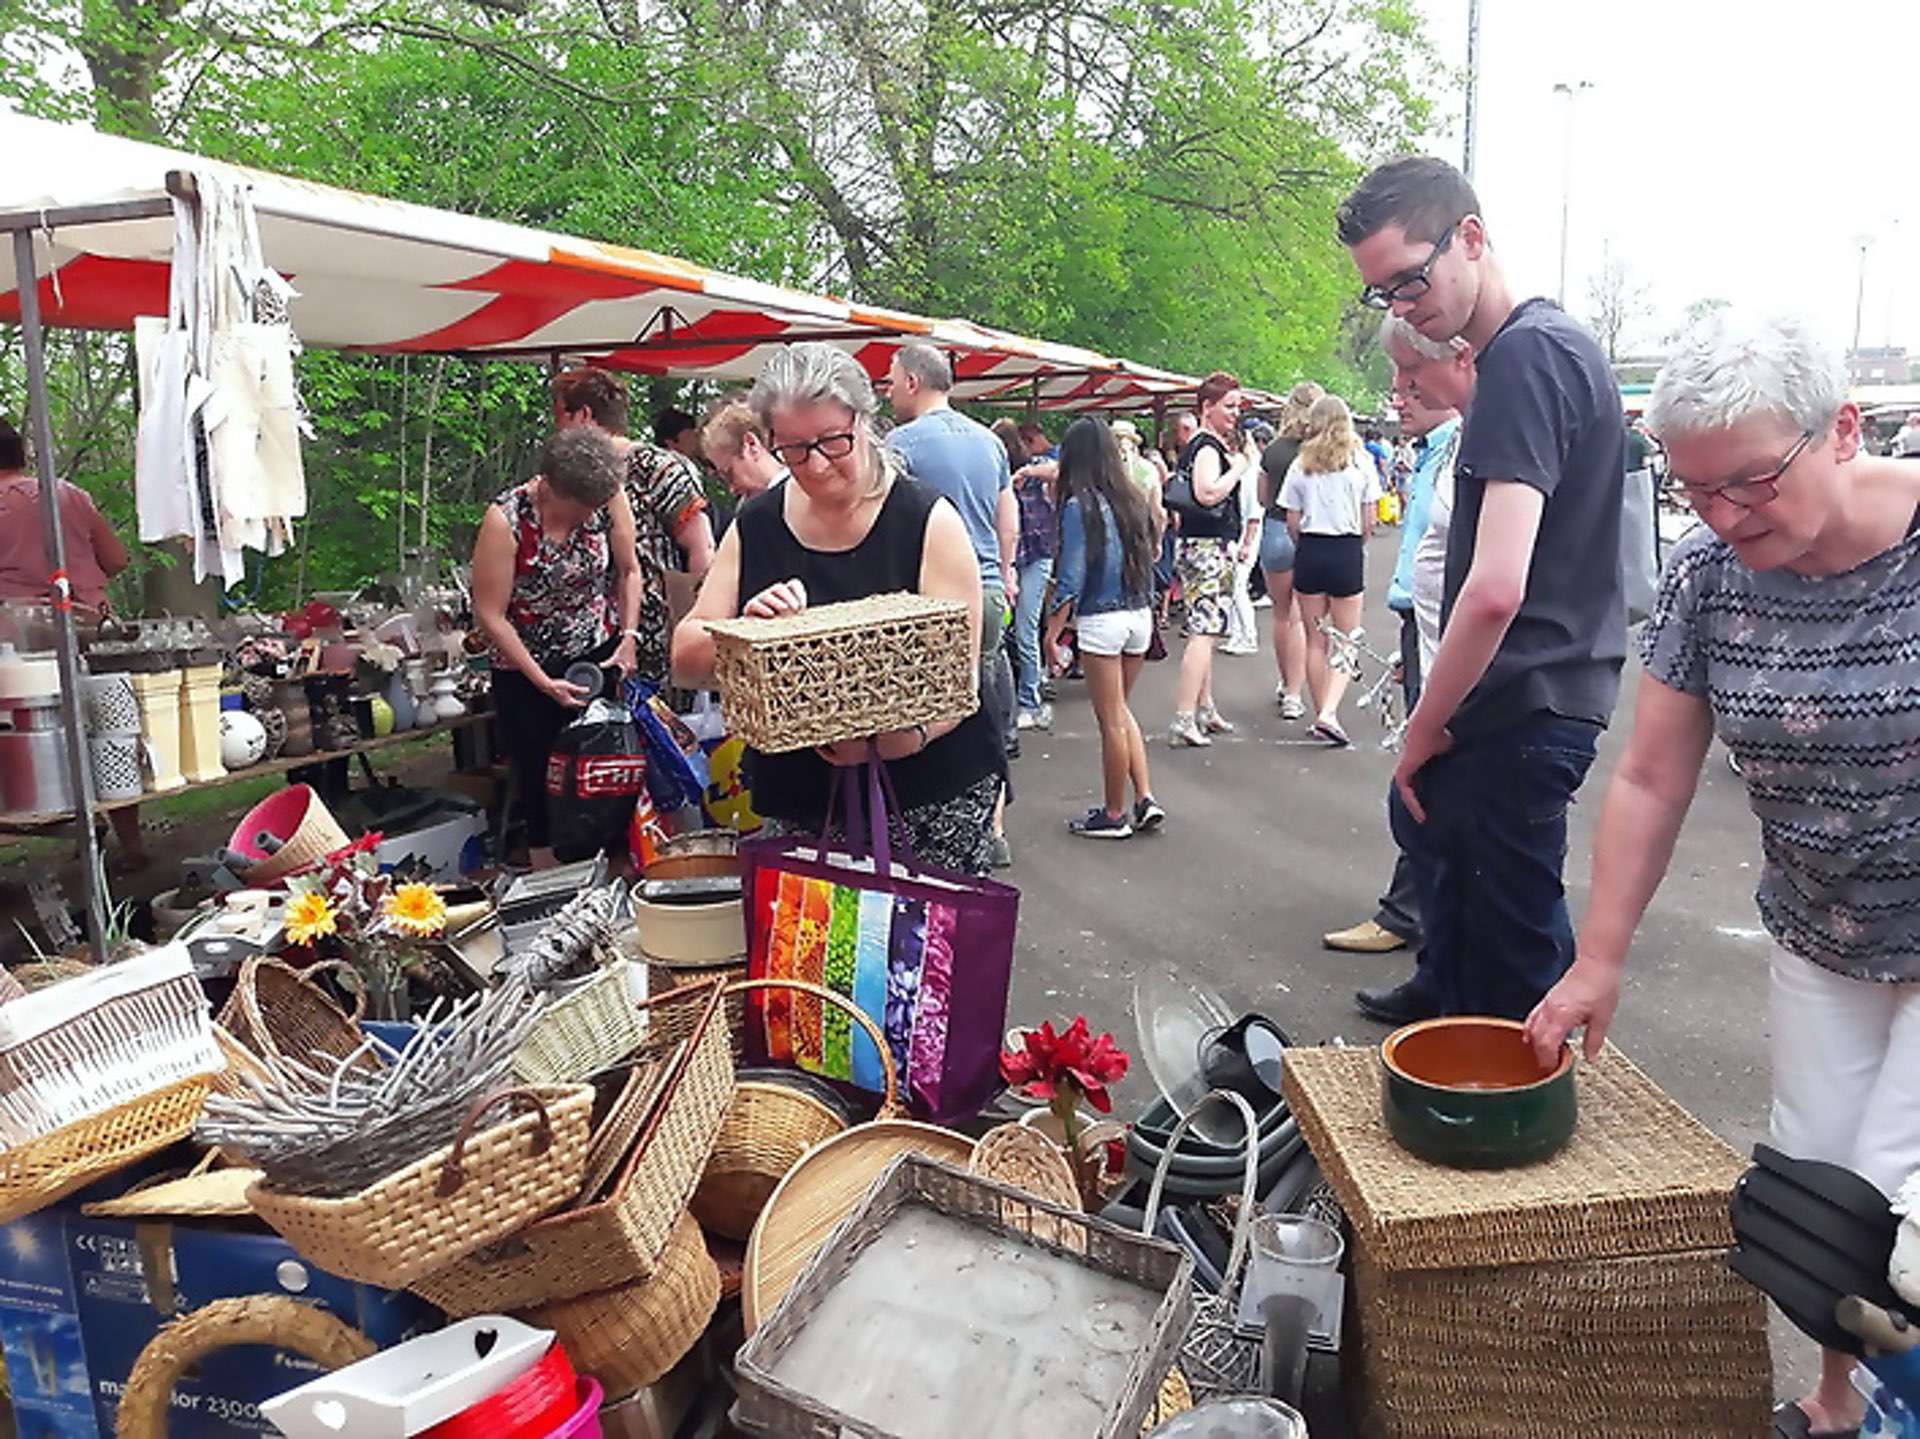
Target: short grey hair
(1735, 364)
(926, 364)
(1396, 330)
(808, 373)
(581, 463)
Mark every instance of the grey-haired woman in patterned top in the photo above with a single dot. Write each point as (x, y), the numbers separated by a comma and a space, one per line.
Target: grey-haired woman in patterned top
(1789, 625)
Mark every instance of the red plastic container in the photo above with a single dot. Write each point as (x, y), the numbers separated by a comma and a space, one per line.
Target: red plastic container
(531, 1407)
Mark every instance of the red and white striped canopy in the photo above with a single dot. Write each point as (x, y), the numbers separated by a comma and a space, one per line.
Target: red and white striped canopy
(390, 277)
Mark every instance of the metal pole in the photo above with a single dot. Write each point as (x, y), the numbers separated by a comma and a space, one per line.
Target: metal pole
(1859, 292)
(1473, 89)
(1572, 92)
(66, 648)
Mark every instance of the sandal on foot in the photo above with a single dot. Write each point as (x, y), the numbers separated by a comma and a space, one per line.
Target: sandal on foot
(1332, 734)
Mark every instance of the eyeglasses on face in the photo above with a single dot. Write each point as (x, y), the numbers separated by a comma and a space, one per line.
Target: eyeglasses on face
(1747, 494)
(828, 447)
(1413, 285)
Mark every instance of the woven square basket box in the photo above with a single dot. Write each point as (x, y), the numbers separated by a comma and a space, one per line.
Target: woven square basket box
(1585, 1294)
(947, 1306)
(845, 671)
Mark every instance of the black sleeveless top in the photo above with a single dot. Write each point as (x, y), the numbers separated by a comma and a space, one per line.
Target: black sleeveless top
(793, 786)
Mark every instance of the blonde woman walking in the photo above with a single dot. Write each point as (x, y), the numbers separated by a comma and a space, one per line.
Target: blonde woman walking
(1328, 498)
(1276, 549)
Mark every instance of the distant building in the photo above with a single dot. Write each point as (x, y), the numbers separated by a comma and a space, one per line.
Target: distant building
(1880, 365)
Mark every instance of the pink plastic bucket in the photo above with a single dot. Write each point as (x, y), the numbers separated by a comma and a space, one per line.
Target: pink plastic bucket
(585, 1423)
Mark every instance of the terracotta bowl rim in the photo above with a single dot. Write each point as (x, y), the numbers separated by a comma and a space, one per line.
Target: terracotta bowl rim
(1405, 1032)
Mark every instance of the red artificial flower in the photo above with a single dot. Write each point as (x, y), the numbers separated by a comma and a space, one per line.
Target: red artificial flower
(1047, 1061)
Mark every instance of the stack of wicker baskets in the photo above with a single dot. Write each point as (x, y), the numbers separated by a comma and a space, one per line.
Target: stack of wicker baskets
(625, 1280)
(1588, 1293)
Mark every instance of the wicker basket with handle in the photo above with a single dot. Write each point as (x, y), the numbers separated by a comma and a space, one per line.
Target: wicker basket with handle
(482, 1187)
(619, 1239)
(36, 1173)
(277, 1012)
(769, 1126)
(627, 1337)
(845, 671)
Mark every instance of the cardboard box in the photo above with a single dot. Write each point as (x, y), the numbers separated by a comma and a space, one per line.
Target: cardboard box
(80, 1298)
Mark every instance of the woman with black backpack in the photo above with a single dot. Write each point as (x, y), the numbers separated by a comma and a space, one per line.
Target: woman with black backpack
(1205, 494)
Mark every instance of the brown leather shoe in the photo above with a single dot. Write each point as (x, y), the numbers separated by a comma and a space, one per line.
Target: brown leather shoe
(1364, 938)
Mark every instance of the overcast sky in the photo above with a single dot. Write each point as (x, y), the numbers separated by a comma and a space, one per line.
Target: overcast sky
(1724, 150)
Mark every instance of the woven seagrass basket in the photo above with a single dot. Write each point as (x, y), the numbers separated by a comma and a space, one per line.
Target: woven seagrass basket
(629, 1336)
(845, 671)
(1586, 1293)
(482, 1187)
(277, 1012)
(619, 1239)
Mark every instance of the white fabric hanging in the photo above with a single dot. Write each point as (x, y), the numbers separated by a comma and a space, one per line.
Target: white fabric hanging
(226, 357)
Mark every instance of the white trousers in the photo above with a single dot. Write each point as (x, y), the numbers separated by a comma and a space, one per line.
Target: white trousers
(1846, 1070)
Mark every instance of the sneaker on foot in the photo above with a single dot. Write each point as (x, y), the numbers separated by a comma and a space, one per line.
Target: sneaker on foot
(1183, 731)
(1026, 719)
(1096, 823)
(1147, 814)
(1043, 717)
(1211, 722)
(999, 853)
(1292, 707)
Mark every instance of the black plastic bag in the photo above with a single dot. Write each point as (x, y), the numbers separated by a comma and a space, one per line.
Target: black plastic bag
(594, 772)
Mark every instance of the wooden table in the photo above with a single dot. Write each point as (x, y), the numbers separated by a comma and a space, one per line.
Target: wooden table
(31, 823)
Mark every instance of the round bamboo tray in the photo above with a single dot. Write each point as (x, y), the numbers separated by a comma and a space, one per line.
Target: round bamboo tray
(268, 1319)
(769, 1127)
(819, 1191)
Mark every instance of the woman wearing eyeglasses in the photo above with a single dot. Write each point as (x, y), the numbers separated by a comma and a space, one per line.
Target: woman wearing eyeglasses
(1789, 625)
(850, 522)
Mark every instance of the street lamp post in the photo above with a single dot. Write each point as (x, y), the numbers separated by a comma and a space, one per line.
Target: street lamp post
(1572, 90)
(1472, 125)
(1859, 292)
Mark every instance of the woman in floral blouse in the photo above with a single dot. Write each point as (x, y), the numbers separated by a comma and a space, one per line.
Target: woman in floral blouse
(554, 568)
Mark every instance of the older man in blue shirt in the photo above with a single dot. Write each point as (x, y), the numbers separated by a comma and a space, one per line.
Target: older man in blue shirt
(1396, 925)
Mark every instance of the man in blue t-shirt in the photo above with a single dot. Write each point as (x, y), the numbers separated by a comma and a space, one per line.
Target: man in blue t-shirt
(1533, 613)
(962, 459)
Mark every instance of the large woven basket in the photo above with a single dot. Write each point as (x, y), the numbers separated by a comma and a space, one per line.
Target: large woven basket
(620, 1239)
(678, 1021)
(436, 1211)
(277, 1012)
(270, 1320)
(845, 671)
(35, 1174)
(769, 1126)
(591, 1029)
(628, 1337)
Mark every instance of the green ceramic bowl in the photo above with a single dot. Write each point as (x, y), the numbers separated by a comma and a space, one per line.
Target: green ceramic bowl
(1469, 1093)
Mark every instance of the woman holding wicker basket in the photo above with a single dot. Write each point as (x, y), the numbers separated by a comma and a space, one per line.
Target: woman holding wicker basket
(849, 522)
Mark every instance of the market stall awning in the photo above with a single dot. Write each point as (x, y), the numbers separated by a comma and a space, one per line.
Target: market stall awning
(392, 277)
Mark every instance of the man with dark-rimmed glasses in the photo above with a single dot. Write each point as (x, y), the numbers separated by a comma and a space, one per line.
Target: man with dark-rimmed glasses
(1533, 611)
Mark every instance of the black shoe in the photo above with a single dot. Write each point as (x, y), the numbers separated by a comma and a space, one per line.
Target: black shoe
(1147, 814)
(1403, 1004)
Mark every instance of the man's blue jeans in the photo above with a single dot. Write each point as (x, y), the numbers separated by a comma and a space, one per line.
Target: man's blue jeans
(1034, 575)
(1489, 860)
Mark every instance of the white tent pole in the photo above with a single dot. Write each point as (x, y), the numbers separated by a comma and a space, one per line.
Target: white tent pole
(66, 649)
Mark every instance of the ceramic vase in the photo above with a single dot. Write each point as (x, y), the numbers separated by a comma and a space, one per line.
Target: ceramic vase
(446, 699)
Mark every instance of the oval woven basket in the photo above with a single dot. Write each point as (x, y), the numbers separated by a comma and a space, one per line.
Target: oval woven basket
(277, 1012)
(769, 1127)
(34, 1174)
(269, 1319)
(630, 1336)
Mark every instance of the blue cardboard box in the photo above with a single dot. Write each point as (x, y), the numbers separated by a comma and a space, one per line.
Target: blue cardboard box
(80, 1298)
